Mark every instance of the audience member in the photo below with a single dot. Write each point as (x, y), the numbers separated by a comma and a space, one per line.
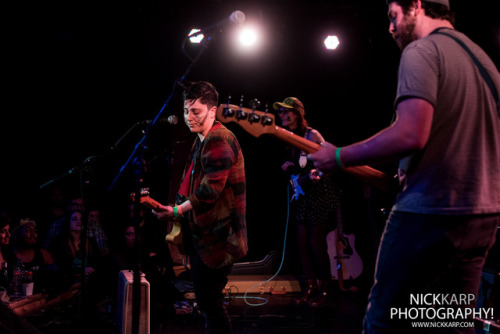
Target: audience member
(37, 262)
(153, 257)
(69, 255)
(5, 223)
(51, 206)
(95, 230)
(57, 226)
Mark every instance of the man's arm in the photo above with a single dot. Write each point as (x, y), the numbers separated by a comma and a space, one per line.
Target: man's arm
(409, 133)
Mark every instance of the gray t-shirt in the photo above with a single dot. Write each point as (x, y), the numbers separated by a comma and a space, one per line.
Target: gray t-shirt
(458, 171)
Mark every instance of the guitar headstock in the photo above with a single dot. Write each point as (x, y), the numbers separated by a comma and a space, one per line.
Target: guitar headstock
(143, 194)
(145, 199)
(253, 121)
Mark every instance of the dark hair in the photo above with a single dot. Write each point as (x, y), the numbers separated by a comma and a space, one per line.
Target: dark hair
(432, 9)
(67, 221)
(5, 219)
(302, 123)
(202, 90)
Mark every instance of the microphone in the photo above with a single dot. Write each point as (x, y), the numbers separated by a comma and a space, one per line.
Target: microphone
(172, 120)
(236, 17)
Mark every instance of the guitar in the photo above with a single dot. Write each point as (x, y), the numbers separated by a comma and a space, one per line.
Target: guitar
(258, 123)
(175, 235)
(297, 189)
(345, 262)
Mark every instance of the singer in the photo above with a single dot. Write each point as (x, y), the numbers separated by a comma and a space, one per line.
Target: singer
(315, 203)
(212, 203)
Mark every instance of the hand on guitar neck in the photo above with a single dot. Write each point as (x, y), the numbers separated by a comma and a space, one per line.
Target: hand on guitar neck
(258, 123)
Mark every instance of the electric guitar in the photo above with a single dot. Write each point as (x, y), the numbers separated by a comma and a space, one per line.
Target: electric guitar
(297, 189)
(345, 262)
(258, 123)
(175, 235)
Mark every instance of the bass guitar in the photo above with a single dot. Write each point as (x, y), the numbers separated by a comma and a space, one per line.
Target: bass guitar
(175, 235)
(258, 123)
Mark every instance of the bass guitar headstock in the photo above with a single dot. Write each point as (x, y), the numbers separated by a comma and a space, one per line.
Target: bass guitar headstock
(252, 121)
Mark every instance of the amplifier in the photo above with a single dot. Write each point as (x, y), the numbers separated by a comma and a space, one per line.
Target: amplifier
(125, 303)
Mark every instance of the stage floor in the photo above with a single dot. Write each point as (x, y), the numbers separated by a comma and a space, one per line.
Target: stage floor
(276, 313)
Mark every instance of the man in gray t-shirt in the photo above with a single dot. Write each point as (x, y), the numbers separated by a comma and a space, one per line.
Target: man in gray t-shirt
(447, 137)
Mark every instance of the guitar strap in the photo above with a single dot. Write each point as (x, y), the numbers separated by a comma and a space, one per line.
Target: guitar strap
(482, 70)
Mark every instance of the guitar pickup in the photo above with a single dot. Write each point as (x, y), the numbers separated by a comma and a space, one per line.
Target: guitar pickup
(240, 114)
(253, 118)
(266, 120)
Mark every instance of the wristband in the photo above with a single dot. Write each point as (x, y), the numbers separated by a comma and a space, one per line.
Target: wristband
(176, 212)
(337, 158)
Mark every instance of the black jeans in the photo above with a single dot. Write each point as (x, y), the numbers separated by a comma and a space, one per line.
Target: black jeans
(208, 286)
(427, 255)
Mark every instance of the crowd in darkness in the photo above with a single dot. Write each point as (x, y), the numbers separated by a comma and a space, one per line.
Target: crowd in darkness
(47, 240)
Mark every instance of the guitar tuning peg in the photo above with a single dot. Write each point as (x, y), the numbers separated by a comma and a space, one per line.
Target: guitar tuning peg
(266, 109)
(241, 101)
(254, 103)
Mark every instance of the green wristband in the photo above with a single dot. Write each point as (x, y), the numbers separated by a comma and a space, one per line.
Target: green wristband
(176, 212)
(337, 158)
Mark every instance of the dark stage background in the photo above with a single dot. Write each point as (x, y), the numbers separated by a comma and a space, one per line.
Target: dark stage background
(80, 74)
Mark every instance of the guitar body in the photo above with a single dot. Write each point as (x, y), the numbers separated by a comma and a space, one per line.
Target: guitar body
(175, 235)
(345, 261)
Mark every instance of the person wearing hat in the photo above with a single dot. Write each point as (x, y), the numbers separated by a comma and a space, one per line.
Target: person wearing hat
(446, 134)
(314, 202)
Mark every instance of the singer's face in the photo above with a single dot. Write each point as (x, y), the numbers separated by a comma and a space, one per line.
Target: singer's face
(198, 117)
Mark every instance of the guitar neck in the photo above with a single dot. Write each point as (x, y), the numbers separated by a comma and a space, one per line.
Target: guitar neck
(364, 173)
(297, 141)
(149, 202)
(258, 123)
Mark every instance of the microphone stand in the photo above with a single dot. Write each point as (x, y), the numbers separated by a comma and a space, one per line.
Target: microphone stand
(137, 156)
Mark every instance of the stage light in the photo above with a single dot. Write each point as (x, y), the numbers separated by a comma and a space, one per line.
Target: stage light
(332, 42)
(196, 37)
(248, 38)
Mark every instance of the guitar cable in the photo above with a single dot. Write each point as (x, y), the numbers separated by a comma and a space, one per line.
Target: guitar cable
(261, 284)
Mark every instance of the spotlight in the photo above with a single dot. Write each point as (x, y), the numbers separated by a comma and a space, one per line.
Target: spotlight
(196, 36)
(332, 42)
(248, 38)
